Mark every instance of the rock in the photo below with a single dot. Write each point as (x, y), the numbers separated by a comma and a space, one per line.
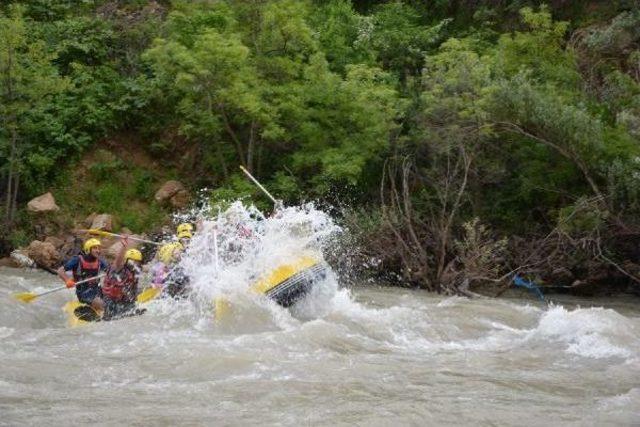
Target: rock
(21, 258)
(55, 241)
(180, 200)
(72, 246)
(44, 253)
(113, 250)
(43, 203)
(103, 222)
(168, 190)
(9, 262)
(88, 221)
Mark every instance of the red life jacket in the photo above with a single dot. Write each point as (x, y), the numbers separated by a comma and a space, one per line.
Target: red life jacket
(86, 269)
(120, 286)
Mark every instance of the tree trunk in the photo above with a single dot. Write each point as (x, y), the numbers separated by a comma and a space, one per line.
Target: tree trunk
(10, 179)
(219, 155)
(259, 160)
(250, 147)
(447, 220)
(14, 207)
(10, 122)
(8, 196)
(223, 163)
(233, 136)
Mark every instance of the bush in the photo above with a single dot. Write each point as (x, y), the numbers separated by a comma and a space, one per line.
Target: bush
(109, 198)
(143, 183)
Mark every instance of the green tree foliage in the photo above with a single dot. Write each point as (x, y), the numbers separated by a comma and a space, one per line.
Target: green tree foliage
(259, 91)
(28, 80)
(342, 33)
(523, 115)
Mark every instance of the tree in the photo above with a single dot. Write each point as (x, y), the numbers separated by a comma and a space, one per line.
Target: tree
(215, 81)
(27, 80)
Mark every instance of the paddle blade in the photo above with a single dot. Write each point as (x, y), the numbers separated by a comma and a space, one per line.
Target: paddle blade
(97, 232)
(148, 294)
(25, 297)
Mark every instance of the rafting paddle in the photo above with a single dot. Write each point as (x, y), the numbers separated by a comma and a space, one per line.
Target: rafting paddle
(27, 297)
(103, 233)
(255, 181)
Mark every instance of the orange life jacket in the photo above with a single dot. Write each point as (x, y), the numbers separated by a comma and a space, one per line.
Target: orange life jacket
(120, 286)
(87, 269)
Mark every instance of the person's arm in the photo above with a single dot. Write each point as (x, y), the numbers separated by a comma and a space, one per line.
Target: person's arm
(118, 263)
(71, 265)
(199, 224)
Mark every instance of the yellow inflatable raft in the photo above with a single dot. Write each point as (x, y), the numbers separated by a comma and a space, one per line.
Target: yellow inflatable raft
(286, 284)
(79, 314)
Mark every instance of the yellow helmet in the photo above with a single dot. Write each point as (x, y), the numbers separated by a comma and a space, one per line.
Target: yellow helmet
(133, 254)
(89, 244)
(185, 234)
(166, 252)
(184, 227)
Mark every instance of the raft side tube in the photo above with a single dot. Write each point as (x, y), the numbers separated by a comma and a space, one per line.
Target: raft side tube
(297, 286)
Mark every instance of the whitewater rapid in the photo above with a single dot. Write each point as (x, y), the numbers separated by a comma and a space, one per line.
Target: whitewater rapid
(374, 356)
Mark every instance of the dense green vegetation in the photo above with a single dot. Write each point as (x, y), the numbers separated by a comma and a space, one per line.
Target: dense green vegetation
(467, 138)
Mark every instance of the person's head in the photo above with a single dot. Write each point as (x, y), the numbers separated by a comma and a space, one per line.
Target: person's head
(184, 237)
(170, 252)
(184, 227)
(133, 259)
(92, 247)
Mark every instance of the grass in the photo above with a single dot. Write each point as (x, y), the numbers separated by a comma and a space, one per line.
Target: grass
(109, 185)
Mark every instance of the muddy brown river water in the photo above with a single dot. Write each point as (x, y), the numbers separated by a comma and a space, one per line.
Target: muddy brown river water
(373, 356)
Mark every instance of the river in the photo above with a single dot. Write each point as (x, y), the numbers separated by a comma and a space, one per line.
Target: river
(373, 356)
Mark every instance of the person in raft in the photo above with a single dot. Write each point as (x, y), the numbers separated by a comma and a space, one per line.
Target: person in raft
(184, 233)
(120, 286)
(167, 273)
(166, 258)
(176, 283)
(85, 266)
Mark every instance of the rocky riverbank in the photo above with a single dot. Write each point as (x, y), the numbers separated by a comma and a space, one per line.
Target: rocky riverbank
(57, 238)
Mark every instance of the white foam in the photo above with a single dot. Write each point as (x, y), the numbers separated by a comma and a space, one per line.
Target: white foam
(235, 248)
(592, 332)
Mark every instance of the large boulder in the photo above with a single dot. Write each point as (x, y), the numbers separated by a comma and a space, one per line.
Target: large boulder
(113, 250)
(44, 254)
(71, 246)
(103, 222)
(88, 221)
(180, 200)
(43, 203)
(57, 242)
(174, 193)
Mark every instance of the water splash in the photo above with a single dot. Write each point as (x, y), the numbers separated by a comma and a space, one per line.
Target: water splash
(234, 248)
(594, 332)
